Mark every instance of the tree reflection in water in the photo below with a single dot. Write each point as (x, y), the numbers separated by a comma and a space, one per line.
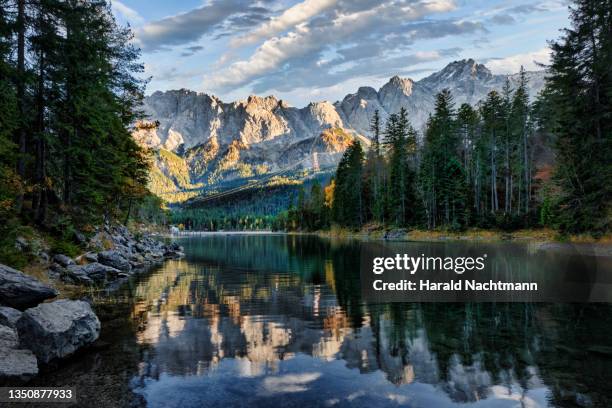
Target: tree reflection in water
(245, 319)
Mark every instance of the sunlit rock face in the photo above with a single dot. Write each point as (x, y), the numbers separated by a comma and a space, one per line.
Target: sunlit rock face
(188, 119)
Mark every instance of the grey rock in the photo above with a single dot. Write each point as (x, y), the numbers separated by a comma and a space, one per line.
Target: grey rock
(99, 272)
(157, 255)
(8, 337)
(63, 260)
(114, 259)
(9, 316)
(119, 239)
(57, 329)
(173, 254)
(75, 274)
(44, 256)
(17, 364)
(80, 237)
(21, 244)
(87, 257)
(21, 291)
(91, 257)
(176, 247)
(89, 273)
(140, 247)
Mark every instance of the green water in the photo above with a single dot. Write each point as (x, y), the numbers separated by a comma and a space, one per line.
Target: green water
(277, 320)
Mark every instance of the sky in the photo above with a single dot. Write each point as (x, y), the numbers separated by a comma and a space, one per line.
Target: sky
(313, 50)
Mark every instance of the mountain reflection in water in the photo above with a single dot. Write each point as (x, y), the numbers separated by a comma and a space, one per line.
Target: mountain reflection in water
(277, 320)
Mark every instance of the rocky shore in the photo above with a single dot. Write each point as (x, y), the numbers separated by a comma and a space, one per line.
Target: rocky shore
(36, 331)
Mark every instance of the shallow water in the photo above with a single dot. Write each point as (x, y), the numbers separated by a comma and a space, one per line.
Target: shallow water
(278, 320)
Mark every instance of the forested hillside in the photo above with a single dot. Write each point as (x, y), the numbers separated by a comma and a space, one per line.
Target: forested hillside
(69, 95)
(486, 165)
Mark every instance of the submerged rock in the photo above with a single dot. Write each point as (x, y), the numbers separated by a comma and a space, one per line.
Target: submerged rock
(21, 291)
(58, 329)
(9, 316)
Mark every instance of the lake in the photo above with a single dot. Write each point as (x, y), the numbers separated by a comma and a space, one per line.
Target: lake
(279, 320)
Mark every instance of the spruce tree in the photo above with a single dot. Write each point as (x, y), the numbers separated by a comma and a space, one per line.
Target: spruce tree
(579, 91)
(348, 200)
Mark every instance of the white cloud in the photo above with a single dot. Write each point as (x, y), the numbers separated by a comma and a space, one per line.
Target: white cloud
(306, 40)
(292, 16)
(512, 64)
(126, 13)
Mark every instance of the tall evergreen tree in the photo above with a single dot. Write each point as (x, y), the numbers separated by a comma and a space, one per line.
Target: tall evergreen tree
(442, 178)
(520, 130)
(348, 200)
(579, 90)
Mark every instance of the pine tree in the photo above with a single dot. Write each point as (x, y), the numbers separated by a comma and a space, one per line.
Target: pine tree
(442, 178)
(468, 126)
(347, 207)
(493, 115)
(579, 91)
(374, 174)
(69, 99)
(400, 140)
(520, 130)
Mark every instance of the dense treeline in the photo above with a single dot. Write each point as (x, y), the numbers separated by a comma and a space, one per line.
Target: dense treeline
(69, 95)
(257, 208)
(475, 166)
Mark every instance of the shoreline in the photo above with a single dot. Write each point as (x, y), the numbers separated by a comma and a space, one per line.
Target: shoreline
(542, 239)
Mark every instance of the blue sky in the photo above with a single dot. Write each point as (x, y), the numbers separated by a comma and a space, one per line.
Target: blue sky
(311, 50)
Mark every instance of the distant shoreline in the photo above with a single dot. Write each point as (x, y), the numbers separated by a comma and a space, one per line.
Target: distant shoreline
(543, 240)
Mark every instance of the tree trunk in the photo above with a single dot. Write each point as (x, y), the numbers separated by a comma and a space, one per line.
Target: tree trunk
(21, 103)
(40, 198)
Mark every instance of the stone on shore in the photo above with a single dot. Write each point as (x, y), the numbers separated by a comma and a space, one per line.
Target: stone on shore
(21, 291)
(8, 337)
(17, 364)
(91, 257)
(99, 272)
(115, 260)
(14, 363)
(63, 260)
(9, 316)
(57, 329)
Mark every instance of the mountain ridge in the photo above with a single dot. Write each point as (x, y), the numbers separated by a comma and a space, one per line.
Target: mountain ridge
(222, 141)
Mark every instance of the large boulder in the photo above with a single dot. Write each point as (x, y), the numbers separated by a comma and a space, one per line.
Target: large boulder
(21, 291)
(115, 260)
(57, 329)
(9, 316)
(76, 275)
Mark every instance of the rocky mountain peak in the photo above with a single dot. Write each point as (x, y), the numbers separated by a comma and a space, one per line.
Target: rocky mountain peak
(403, 84)
(224, 141)
(367, 93)
(466, 69)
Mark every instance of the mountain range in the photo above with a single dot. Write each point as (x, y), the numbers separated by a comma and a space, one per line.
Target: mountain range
(203, 142)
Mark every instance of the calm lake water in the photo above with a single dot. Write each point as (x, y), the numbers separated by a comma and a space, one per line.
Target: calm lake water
(278, 320)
